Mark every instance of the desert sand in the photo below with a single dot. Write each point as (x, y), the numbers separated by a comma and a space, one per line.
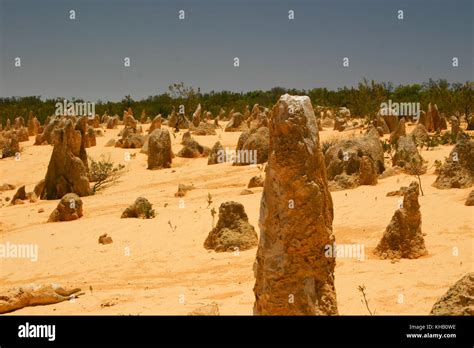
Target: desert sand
(149, 269)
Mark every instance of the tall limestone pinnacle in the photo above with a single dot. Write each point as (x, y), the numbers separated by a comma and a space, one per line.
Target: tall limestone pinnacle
(293, 276)
(403, 237)
(67, 170)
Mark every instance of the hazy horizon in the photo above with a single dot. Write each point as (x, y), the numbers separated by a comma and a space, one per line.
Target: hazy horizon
(83, 58)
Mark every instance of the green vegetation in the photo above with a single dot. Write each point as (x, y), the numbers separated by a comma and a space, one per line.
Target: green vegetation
(437, 164)
(436, 139)
(363, 101)
(104, 173)
(388, 148)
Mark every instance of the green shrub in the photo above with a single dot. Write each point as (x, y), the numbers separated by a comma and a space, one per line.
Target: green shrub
(104, 173)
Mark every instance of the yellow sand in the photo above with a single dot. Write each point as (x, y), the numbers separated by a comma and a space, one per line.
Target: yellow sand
(170, 272)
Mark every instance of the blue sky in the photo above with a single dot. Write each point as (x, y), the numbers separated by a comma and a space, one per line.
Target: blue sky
(83, 58)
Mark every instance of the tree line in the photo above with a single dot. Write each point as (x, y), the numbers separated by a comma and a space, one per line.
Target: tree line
(363, 100)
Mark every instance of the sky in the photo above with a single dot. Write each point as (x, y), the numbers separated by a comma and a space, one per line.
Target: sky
(84, 57)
